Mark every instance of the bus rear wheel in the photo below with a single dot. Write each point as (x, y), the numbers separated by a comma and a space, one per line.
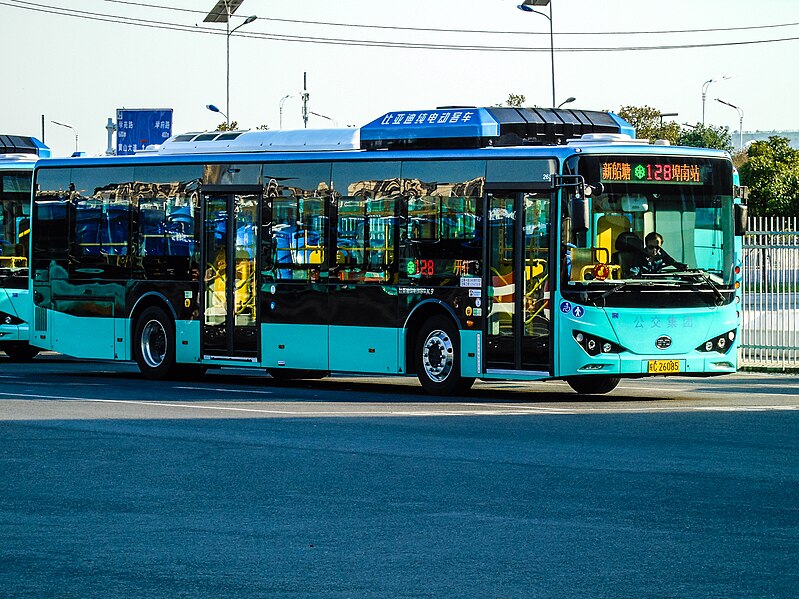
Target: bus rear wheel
(438, 360)
(593, 385)
(154, 344)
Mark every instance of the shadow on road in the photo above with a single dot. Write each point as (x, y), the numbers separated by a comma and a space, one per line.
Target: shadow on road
(335, 389)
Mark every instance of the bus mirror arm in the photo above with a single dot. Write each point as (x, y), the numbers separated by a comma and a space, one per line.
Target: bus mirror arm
(566, 230)
(580, 206)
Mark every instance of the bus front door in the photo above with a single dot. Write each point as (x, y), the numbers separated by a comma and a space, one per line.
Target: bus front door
(517, 320)
(229, 329)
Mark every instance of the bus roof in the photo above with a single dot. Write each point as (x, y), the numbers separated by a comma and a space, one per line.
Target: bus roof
(443, 133)
(455, 127)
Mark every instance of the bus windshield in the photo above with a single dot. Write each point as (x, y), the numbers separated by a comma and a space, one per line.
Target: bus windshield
(652, 221)
(15, 194)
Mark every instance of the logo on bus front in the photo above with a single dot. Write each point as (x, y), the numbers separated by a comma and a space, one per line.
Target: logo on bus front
(663, 342)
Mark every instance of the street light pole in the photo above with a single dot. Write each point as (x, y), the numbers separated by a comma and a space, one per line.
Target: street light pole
(526, 6)
(740, 122)
(283, 101)
(213, 108)
(69, 127)
(705, 85)
(662, 114)
(568, 100)
(247, 21)
(329, 118)
(221, 12)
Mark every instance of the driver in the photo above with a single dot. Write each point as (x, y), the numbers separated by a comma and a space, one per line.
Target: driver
(655, 257)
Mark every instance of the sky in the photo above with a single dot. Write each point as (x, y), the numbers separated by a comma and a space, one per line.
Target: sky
(79, 67)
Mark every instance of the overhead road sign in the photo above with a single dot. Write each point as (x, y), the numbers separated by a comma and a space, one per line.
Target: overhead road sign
(138, 128)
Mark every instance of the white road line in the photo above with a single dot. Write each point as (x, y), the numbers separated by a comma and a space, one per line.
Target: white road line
(283, 412)
(37, 396)
(222, 390)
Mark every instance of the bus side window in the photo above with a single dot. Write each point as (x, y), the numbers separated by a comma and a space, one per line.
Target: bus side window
(298, 236)
(366, 233)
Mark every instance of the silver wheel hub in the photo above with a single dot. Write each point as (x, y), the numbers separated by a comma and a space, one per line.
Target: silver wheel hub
(438, 356)
(153, 344)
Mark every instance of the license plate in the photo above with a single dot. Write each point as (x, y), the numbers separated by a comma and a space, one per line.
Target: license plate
(663, 366)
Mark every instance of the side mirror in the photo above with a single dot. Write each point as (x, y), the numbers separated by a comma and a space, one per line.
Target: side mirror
(740, 219)
(740, 191)
(581, 214)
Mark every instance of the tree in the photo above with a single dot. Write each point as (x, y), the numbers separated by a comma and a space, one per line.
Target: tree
(706, 136)
(515, 100)
(648, 123)
(234, 125)
(772, 176)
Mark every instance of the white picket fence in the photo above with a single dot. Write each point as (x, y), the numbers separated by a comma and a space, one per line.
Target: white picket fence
(770, 299)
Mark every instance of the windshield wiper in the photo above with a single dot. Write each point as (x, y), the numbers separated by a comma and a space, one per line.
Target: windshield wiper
(704, 276)
(616, 288)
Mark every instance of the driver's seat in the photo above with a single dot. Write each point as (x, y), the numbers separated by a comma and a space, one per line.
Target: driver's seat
(629, 252)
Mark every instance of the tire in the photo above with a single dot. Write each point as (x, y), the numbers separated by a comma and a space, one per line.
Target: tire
(293, 374)
(21, 352)
(593, 385)
(438, 359)
(154, 344)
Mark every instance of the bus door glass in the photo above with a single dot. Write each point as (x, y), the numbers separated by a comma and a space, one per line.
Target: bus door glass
(517, 281)
(230, 315)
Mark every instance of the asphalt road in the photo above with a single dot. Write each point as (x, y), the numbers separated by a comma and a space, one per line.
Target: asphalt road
(235, 486)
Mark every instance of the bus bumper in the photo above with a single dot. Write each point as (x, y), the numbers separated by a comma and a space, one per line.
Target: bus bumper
(659, 365)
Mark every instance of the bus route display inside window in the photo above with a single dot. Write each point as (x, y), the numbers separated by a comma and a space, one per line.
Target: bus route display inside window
(658, 172)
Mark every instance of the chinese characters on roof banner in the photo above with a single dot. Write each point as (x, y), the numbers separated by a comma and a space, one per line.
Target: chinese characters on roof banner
(138, 128)
(434, 117)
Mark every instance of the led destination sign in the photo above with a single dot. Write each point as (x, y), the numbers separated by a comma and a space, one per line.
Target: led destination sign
(657, 172)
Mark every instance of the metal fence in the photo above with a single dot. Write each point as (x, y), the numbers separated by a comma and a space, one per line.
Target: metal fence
(770, 298)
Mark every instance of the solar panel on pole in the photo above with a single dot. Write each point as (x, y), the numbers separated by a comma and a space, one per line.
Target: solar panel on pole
(219, 13)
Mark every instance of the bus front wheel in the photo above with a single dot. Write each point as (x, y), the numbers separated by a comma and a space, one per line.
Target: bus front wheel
(154, 344)
(438, 360)
(593, 385)
(21, 352)
(293, 374)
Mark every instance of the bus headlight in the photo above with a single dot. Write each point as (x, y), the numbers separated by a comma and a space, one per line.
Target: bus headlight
(6, 318)
(720, 344)
(594, 345)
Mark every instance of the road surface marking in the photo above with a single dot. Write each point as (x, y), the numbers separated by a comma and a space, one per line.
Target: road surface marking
(221, 390)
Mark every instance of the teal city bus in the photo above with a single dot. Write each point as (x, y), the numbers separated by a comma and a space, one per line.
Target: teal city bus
(452, 244)
(18, 154)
